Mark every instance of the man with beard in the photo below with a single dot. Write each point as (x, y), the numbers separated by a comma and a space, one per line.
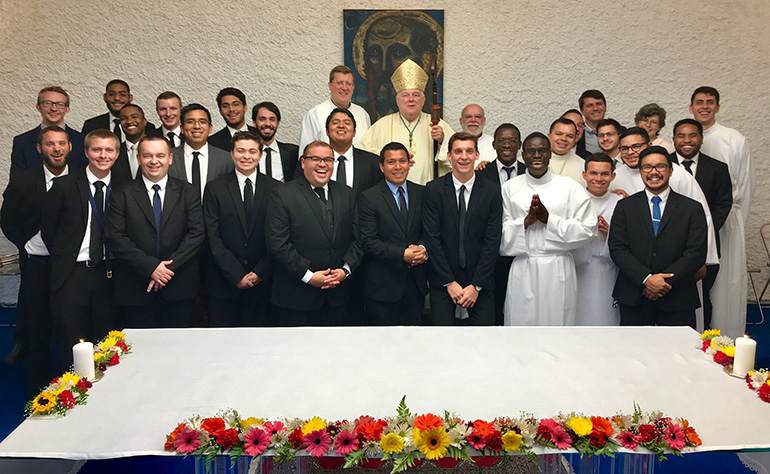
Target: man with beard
(53, 103)
(116, 95)
(472, 120)
(545, 216)
(279, 160)
(713, 177)
(608, 132)
(133, 124)
(730, 147)
(341, 87)
(596, 272)
(564, 161)
(233, 108)
(658, 241)
(20, 219)
(74, 219)
(412, 127)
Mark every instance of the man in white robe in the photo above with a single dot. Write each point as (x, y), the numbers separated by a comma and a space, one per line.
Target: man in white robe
(472, 120)
(411, 126)
(341, 87)
(564, 160)
(728, 296)
(596, 272)
(545, 216)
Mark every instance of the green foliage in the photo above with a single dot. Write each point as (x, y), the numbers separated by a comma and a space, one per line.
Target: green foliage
(405, 462)
(458, 453)
(354, 458)
(403, 411)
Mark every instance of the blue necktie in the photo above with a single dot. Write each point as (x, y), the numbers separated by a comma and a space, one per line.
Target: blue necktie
(157, 209)
(508, 169)
(655, 213)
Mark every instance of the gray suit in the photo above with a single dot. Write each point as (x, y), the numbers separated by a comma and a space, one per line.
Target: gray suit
(219, 163)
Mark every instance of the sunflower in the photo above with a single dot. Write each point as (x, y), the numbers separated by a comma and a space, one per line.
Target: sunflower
(432, 443)
(43, 403)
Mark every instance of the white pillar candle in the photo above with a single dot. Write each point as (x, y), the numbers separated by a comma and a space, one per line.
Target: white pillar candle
(83, 360)
(745, 350)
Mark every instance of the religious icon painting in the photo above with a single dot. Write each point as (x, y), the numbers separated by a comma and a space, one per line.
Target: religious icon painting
(378, 41)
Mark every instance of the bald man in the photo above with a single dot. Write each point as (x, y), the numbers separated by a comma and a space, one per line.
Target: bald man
(472, 120)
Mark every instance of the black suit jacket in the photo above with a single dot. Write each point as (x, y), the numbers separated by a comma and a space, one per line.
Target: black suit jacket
(158, 132)
(21, 213)
(483, 230)
(121, 170)
(384, 237)
(580, 148)
(713, 177)
(65, 217)
(299, 240)
(222, 139)
(679, 248)
(104, 122)
(289, 160)
(237, 245)
(130, 236)
(490, 171)
(24, 154)
(366, 170)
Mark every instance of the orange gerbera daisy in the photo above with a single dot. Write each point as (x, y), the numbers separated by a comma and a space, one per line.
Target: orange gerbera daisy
(484, 428)
(427, 422)
(602, 425)
(690, 433)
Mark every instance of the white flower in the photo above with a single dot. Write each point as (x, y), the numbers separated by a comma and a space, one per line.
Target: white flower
(457, 434)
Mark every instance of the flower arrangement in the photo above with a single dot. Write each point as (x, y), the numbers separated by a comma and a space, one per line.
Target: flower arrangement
(722, 349)
(407, 438)
(69, 390)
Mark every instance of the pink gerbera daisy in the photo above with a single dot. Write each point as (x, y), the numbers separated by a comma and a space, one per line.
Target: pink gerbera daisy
(674, 436)
(629, 440)
(476, 440)
(560, 438)
(318, 442)
(274, 427)
(256, 442)
(346, 442)
(187, 441)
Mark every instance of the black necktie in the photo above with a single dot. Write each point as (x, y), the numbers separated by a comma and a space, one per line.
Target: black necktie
(462, 226)
(116, 127)
(248, 198)
(96, 249)
(269, 162)
(157, 210)
(171, 140)
(402, 203)
(509, 170)
(341, 175)
(687, 165)
(321, 194)
(196, 172)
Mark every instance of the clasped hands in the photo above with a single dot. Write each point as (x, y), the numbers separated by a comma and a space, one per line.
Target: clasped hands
(160, 276)
(465, 297)
(415, 255)
(537, 212)
(656, 286)
(327, 279)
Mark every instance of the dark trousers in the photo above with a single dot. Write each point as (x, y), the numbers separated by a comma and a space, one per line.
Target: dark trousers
(405, 312)
(708, 283)
(160, 314)
(502, 269)
(323, 316)
(250, 308)
(442, 308)
(83, 308)
(647, 314)
(34, 326)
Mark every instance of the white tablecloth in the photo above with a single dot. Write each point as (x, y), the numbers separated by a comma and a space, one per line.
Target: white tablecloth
(342, 373)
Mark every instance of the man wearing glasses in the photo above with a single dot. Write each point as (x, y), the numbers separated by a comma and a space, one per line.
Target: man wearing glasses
(341, 87)
(658, 241)
(311, 230)
(53, 103)
(545, 216)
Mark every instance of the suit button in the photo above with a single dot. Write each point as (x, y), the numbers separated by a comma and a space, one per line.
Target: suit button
(654, 254)
(245, 245)
(245, 262)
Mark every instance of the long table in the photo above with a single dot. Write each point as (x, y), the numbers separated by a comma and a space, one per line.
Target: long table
(342, 373)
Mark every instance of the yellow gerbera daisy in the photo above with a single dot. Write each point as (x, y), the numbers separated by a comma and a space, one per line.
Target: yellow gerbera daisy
(247, 422)
(432, 443)
(43, 403)
(392, 443)
(581, 426)
(118, 334)
(107, 343)
(511, 441)
(728, 351)
(313, 424)
(70, 379)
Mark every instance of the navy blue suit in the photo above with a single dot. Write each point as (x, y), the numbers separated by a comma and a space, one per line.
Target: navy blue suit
(24, 155)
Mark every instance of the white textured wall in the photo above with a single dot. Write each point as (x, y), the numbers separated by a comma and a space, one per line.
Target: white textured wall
(524, 61)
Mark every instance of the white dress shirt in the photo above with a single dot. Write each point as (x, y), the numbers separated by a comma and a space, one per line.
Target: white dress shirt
(203, 159)
(348, 166)
(85, 247)
(275, 160)
(35, 245)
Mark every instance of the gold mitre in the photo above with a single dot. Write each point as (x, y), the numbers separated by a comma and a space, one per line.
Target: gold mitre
(409, 75)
